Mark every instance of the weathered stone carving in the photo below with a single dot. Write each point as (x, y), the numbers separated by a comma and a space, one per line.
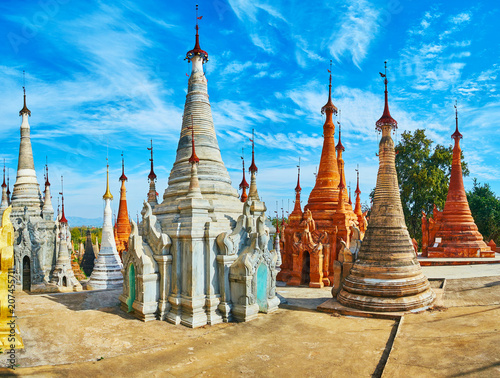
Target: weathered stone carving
(145, 294)
(252, 276)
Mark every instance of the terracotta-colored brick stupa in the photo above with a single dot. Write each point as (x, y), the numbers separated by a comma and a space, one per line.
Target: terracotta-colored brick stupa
(122, 226)
(386, 275)
(452, 232)
(311, 240)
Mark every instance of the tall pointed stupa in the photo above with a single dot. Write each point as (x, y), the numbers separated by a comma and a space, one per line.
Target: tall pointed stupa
(457, 234)
(34, 250)
(107, 269)
(386, 275)
(214, 179)
(26, 190)
(122, 225)
(312, 239)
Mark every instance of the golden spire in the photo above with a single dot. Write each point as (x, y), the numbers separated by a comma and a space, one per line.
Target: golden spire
(108, 194)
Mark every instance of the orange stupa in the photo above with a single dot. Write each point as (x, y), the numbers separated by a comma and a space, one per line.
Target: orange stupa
(457, 234)
(312, 237)
(122, 224)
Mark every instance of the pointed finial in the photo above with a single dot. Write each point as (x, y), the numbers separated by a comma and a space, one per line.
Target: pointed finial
(329, 105)
(357, 178)
(193, 159)
(47, 182)
(25, 109)
(298, 188)
(386, 119)
(108, 194)
(152, 175)
(63, 218)
(8, 181)
(123, 177)
(456, 135)
(244, 183)
(253, 167)
(340, 146)
(197, 49)
(4, 184)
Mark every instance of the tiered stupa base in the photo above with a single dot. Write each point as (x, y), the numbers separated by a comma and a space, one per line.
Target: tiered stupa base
(393, 291)
(460, 243)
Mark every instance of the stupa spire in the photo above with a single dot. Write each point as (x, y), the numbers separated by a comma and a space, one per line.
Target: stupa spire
(194, 184)
(193, 158)
(357, 206)
(340, 160)
(386, 118)
(386, 275)
(152, 195)
(107, 194)
(324, 195)
(25, 109)
(4, 185)
(197, 51)
(5, 200)
(252, 193)
(122, 226)
(63, 217)
(47, 210)
(8, 185)
(456, 135)
(26, 192)
(297, 209)
(244, 184)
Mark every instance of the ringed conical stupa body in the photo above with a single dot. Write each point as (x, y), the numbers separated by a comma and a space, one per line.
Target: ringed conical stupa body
(456, 233)
(386, 275)
(214, 179)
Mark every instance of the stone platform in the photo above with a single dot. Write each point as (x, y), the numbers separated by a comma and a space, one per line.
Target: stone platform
(438, 261)
(94, 338)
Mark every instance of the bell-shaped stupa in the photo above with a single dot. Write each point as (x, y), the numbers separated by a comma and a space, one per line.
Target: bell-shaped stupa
(386, 275)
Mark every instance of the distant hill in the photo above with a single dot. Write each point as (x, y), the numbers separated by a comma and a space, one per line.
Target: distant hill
(78, 221)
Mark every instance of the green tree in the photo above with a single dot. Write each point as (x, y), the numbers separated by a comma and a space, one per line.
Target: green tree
(485, 208)
(424, 177)
(76, 235)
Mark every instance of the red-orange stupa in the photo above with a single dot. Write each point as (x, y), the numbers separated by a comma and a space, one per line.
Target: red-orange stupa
(312, 237)
(122, 225)
(454, 233)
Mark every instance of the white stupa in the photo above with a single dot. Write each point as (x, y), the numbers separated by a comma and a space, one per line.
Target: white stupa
(107, 273)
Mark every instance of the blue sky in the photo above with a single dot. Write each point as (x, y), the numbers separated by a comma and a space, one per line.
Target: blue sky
(111, 73)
